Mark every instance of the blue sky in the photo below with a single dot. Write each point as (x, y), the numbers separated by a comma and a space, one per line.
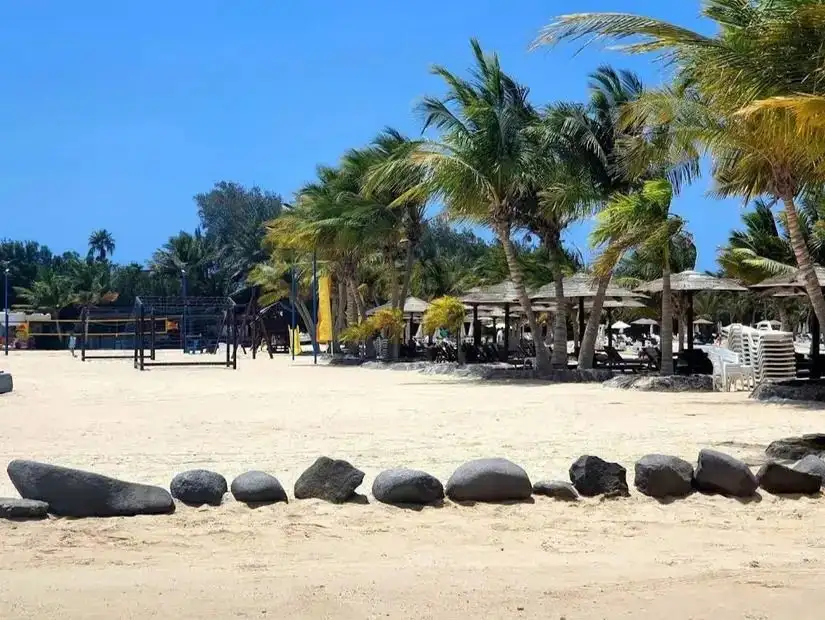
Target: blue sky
(114, 114)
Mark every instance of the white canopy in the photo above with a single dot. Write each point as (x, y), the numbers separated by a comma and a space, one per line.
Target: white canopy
(619, 325)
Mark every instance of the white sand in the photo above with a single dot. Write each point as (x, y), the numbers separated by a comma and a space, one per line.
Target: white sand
(704, 557)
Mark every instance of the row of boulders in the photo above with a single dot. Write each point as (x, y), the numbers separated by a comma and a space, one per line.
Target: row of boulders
(68, 492)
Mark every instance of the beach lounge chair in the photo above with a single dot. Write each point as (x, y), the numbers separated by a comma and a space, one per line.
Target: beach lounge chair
(616, 362)
(654, 357)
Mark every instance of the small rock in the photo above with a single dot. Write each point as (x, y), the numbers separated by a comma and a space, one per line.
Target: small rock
(331, 480)
(812, 465)
(660, 476)
(6, 383)
(77, 493)
(795, 448)
(556, 489)
(489, 480)
(407, 486)
(14, 508)
(257, 487)
(779, 479)
(199, 486)
(721, 473)
(593, 476)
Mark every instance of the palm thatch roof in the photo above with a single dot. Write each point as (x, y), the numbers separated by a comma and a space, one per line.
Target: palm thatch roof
(412, 305)
(693, 281)
(581, 285)
(791, 280)
(644, 321)
(493, 295)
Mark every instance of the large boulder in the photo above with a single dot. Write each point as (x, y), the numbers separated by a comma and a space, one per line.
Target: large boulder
(255, 487)
(331, 480)
(812, 465)
(779, 479)
(795, 448)
(198, 486)
(660, 476)
(14, 508)
(721, 473)
(407, 486)
(557, 489)
(593, 476)
(489, 480)
(6, 382)
(76, 493)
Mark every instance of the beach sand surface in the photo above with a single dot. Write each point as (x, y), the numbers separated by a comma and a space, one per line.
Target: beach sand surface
(703, 557)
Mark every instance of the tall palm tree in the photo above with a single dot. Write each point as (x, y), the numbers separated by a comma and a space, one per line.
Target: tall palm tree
(642, 221)
(196, 255)
(487, 164)
(51, 293)
(101, 245)
(763, 51)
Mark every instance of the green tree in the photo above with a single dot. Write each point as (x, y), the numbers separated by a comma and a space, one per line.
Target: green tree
(642, 221)
(101, 245)
(762, 51)
(49, 293)
(487, 164)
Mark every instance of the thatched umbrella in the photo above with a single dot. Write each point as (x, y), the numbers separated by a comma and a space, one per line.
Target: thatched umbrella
(581, 286)
(413, 308)
(687, 283)
(502, 295)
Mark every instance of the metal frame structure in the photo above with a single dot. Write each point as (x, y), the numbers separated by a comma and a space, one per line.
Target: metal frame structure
(103, 315)
(187, 310)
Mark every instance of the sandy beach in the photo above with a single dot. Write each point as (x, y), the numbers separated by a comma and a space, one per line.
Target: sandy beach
(698, 558)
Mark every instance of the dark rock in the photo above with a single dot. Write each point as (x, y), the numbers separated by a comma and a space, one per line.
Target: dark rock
(331, 480)
(593, 476)
(556, 489)
(407, 486)
(779, 479)
(721, 473)
(656, 383)
(795, 448)
(489, 480)
(257, 487)
(660, 476)
(6, 383)
(810, 390)
(812, 465)
(14, 508)
(76, 493)
(199, 486)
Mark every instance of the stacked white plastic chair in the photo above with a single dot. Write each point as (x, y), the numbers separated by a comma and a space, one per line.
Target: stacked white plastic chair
(729, 371)
(776, 357)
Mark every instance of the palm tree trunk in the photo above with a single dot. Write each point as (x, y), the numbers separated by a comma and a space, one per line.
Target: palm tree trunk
(57, 326)
(803, 259)
(542, 359)
(409, 263)
(667, 319)
(559, 359)
(784, 317)
(591, 331)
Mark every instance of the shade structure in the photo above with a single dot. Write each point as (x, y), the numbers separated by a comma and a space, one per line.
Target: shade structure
(702, 322)
(791, 280)
(645, 321)
(493, 295)
(412, 305)
(693, 282)
(582, 285)
(619, 325)
(689, 282)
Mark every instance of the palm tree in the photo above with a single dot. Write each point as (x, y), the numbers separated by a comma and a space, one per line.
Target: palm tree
(487, 164)
(642, 221)
(728, 97)
(50, 293)
(101, 245)
(196, 255)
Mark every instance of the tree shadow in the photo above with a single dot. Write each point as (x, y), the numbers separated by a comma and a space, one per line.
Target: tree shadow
(256, 505)
(504, 502)
(416, 507)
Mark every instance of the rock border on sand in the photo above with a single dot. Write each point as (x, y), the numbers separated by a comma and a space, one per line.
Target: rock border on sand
(329, 479)
(489, 480)
(662, 476)
(6, 383)
(721, 473)
(198, 487)
(15, 508)
(257, 487)
(556, 489)
(594, 476)
(657, 383)
(407, 486)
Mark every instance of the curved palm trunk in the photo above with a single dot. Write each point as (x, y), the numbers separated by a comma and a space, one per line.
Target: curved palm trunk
(559, 358)
(591, 331)
(803, 260)
(667, 319)
(542, 359)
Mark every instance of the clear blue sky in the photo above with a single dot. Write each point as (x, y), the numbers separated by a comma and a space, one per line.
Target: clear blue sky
(114, 114)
